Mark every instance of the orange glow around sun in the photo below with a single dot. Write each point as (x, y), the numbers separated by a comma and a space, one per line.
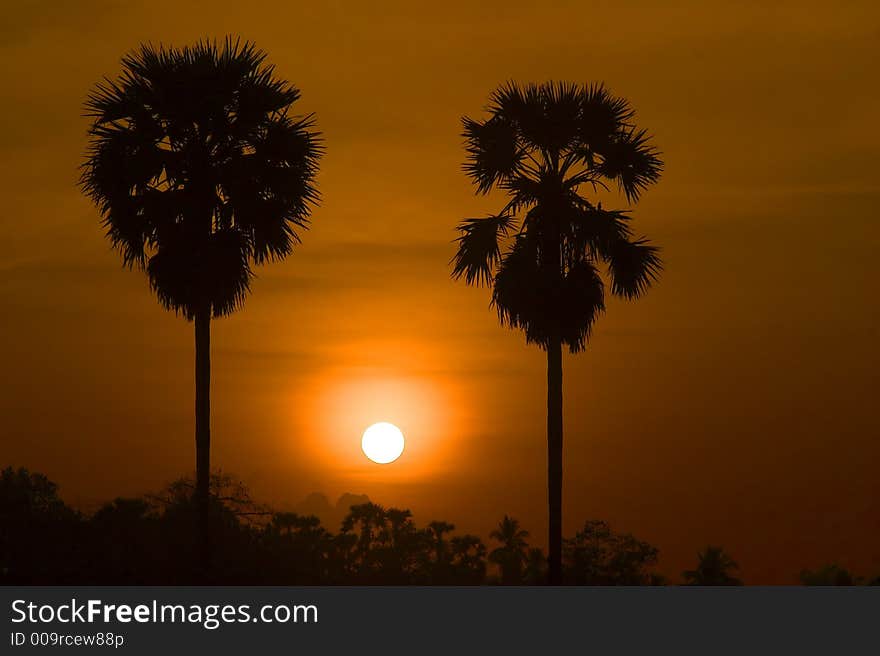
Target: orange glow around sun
(343, 402)
(346, 408)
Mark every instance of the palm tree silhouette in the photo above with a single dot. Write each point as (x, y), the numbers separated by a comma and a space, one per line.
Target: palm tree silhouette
(714, 567)
(440, 567)
(468, 559)
(436, 530)
(511, 555)
(372, 522)
(542, 144)
(199, 172)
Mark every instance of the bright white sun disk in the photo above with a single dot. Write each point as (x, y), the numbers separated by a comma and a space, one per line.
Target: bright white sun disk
(382, 442)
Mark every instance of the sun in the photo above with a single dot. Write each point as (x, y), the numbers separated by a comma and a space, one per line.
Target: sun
(382, 442)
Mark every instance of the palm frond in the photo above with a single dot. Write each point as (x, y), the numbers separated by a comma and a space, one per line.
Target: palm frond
(479, 247)
(594, 230)
(546, 116)
(129, 232)
(518, 289)
(530, 298)
(187, 273)
(270, 193)
(582, 300)
(634, 265)
(492, 151)
(602, 116)
(559, 118)
(631, 160)
(524, 191)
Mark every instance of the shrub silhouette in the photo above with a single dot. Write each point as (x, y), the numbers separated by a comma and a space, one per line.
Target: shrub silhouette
(598, 556)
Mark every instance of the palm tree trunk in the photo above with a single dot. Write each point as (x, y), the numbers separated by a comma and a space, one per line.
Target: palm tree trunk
(203, 435)
(554, 458)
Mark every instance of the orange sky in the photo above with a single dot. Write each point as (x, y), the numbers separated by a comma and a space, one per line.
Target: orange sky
(734, 405)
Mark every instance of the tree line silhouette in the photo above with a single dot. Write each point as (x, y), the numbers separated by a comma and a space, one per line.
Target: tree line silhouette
(148, 541)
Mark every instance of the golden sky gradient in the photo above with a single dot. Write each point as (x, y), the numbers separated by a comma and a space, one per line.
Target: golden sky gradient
(736, 404)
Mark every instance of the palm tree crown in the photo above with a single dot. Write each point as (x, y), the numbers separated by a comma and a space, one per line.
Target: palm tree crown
(509, 534)
(199, 170)
(541, 144)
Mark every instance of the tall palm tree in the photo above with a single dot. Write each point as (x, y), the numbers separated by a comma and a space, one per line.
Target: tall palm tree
(200, 171)
(542, 145)
(511, 555)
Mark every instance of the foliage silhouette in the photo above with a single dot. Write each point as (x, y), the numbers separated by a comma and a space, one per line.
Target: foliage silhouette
(831, 574)
(598, 556)
(714, 567)
(441, 549)
(535, 567)
(199, 172)
(32, 516)
(542, 253)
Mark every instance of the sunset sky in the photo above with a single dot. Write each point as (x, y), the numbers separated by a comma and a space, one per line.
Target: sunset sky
(736, 404)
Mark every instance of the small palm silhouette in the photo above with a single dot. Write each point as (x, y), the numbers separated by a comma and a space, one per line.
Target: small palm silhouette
(199, 172)
(541, 145)
(714, 567)
(512, 554)
(436, 530)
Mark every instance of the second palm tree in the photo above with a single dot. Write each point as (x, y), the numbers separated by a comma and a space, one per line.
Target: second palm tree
(542, 253)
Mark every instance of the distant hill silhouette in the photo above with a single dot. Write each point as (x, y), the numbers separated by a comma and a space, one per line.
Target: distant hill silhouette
(331, 515)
